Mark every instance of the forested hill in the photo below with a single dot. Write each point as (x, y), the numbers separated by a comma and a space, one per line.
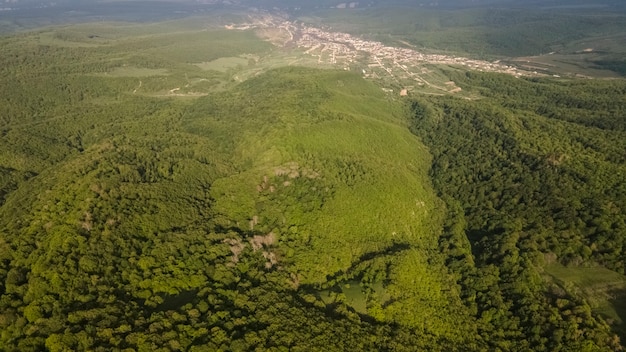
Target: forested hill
(167, 186)
(533, 174)
(148, 204)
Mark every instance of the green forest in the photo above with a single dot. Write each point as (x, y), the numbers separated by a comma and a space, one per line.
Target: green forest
(150, 201)
(532, 175)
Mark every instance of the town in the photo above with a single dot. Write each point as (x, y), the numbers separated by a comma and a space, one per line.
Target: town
(402, 67)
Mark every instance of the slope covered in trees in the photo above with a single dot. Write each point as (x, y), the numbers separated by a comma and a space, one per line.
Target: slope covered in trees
(533, 174)
(233, 216)
(149, 200)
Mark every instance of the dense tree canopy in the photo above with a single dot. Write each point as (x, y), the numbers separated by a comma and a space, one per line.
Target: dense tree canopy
(148, 204)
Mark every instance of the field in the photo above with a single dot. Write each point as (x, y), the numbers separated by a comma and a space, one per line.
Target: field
(600, 57)
(605, 290)
(224, 64)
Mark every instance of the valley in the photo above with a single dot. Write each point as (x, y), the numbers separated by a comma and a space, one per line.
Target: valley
(392, 67)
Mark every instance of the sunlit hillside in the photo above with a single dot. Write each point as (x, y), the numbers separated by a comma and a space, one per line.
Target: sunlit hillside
(206, 176)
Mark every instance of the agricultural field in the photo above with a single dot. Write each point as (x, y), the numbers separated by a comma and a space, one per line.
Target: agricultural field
(605, 289)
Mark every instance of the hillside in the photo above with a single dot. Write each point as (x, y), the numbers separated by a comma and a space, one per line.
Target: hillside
(533, 173)
(137, 214)
(174, 185)
(557, 38)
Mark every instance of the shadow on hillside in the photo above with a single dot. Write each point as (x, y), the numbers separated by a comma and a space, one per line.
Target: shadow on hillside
(619, 304)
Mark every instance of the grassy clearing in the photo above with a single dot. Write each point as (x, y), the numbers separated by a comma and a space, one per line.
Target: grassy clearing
(71, 39)
(352, 293)
(593, 278)
(151, 59)
(604, 288)
(196, 46)
(223, 64)
(130, 71)
(577, 64)
(598, 56)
